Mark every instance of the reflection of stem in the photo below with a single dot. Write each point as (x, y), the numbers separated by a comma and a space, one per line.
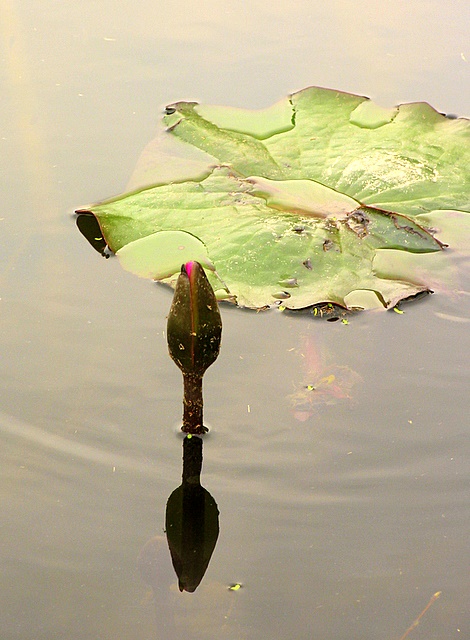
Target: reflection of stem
(192, 403)
(192, 460)
(191, 520)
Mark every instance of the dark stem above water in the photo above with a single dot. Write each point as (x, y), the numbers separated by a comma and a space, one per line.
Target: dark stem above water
(192, 405)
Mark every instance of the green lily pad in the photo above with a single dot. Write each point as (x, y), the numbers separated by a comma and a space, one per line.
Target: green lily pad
(173, 249)
(323, 197)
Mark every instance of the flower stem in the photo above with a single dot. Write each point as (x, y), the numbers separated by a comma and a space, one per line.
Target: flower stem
(192, 404)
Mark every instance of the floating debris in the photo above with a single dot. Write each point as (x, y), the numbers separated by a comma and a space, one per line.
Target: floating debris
(324, 383)
(358, 222)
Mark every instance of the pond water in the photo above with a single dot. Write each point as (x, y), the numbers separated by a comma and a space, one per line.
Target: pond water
(340, 517)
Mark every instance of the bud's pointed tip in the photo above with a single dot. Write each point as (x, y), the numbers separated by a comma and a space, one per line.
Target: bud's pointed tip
(188, 267)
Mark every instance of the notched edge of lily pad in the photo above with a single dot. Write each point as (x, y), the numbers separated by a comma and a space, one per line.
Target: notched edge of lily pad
(173, 249)
(259, 123)
(369, 115)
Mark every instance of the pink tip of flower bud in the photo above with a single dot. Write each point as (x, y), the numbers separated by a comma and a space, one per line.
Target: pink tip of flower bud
(188, 267)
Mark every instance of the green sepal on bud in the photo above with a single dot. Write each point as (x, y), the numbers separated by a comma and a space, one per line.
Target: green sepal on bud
(194, 326)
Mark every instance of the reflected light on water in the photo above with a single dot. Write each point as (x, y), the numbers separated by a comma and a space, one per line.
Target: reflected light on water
(74, 449)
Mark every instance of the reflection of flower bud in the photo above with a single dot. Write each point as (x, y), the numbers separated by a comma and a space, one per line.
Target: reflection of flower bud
(194, 323)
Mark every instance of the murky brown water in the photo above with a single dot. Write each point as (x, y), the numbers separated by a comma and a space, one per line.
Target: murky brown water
(340, 517)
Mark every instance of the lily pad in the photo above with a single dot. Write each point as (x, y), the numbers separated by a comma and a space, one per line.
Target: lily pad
(301, 203)
(172, 249)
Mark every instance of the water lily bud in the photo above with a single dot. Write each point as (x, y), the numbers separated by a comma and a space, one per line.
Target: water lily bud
(194, 324)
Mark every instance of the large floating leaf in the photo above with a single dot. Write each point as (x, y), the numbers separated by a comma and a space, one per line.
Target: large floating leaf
(302, 203)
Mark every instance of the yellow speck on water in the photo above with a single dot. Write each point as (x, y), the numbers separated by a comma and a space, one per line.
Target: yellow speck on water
(235, 587)
(248, 408)
(397, 310)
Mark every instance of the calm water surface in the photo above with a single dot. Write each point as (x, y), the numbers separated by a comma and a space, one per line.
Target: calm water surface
(340, 518)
